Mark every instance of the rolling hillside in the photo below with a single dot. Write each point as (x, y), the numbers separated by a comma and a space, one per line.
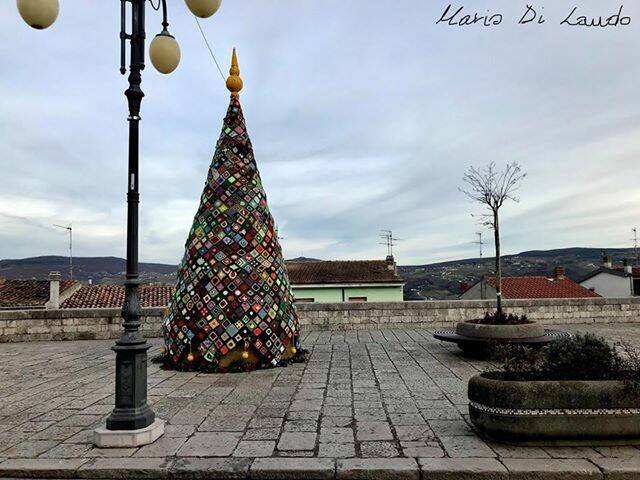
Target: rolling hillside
(442, 280)
(437, 280)
(98, 269)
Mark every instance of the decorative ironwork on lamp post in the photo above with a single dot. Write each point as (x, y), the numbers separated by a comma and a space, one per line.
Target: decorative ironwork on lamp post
(131, 412)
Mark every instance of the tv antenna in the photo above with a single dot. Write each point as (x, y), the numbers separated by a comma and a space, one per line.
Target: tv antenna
(635, 244)
(69, 228)
(389, 240)
(277, 231)
(479, 242)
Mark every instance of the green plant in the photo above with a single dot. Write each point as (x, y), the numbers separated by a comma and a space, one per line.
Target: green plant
(579, 357)
(519, 361)
(501, 318)
(582, 357)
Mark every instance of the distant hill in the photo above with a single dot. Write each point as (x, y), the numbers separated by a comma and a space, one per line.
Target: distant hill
(436, 280)
(442, 280)
(98, 269)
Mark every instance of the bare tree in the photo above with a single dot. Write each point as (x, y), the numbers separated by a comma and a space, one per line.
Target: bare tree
(491, 188)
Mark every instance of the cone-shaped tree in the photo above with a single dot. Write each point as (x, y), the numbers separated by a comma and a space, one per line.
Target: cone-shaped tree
(233, 302)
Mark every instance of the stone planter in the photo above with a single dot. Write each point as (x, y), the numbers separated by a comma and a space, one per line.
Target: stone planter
(499, 332)
(555, 412)
(479, 340)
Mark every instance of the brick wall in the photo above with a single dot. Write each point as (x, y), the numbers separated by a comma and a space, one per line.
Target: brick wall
(41, 325)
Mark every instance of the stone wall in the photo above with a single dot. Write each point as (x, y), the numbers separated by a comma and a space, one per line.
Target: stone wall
(72, 324)
(40, 325)
(438, 314)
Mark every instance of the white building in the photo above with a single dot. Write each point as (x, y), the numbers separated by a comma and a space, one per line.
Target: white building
(615, 281)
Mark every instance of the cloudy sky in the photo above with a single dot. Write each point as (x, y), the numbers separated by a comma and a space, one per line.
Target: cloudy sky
(363, 114)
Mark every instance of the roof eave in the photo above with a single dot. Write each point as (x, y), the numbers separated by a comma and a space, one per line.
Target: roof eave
(609, 271)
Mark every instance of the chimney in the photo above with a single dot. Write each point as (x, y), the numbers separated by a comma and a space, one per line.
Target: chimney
(464, 286)
(558, 273)
(606, 262)
(391, 264)
(483, 288)
(54, 291)
(627, 266)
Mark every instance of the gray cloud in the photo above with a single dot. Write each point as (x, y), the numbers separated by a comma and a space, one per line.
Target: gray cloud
(363, 116)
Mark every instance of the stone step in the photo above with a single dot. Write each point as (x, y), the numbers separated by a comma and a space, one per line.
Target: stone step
(297, 468)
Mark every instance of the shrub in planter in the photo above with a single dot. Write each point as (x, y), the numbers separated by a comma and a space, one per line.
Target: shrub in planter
(501, 318)
(576, 389)
(580, 357)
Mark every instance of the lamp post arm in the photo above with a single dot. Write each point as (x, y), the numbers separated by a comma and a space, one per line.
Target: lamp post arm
(123, 36)
(165, 23)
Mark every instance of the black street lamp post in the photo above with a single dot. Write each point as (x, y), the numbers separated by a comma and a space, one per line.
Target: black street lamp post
(132, 412)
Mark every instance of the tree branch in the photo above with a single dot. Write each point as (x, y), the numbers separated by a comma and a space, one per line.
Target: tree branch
(491, 187)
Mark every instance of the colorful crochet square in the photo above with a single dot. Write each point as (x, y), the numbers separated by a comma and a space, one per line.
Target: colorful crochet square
(233, 291)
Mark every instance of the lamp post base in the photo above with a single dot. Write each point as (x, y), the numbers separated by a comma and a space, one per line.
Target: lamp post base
(104, 438)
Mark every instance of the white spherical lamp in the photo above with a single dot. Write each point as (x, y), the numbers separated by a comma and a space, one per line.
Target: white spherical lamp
(164, 52)
(203, 8)
(39, 14)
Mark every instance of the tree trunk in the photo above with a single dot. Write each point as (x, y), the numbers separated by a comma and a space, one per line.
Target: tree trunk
(496, 235)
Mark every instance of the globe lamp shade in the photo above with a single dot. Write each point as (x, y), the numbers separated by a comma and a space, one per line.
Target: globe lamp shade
(39, 14)
(164, 53)
(203, 8)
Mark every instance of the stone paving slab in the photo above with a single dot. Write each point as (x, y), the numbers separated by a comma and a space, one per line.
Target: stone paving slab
(37, 467)
(371, 403)
(210, 468)
(292, 469)
(551, 469)
(125, 468)
(619, 469)
(377, 469)
(462, 468)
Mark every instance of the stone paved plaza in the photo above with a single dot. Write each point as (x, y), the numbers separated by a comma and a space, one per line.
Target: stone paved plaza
(368, 404)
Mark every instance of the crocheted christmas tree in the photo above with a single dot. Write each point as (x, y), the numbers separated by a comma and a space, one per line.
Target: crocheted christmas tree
(233, 301)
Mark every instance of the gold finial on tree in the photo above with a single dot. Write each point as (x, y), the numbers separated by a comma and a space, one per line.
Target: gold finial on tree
(234, 82)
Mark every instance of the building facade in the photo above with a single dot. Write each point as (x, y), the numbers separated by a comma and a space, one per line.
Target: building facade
(345, 281)
(556, 286)
(311, 282)
(614, 281)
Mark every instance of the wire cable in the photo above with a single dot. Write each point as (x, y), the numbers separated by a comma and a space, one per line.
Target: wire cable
(204, 37)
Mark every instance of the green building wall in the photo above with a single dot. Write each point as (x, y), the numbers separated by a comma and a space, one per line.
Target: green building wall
(391, 293)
